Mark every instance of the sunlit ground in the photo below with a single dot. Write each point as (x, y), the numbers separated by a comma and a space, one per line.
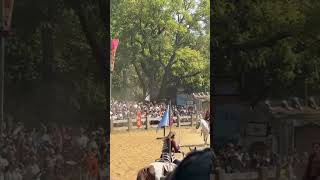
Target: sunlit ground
(131, 151)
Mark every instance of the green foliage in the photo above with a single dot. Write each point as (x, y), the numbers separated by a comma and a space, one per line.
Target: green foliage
(65, 86)
(273, 43)
(165, 42)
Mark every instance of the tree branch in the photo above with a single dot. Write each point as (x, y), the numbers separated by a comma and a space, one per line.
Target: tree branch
(104, 13)
(96, 48)
(259, 43)
(190, 75)
(139, 76)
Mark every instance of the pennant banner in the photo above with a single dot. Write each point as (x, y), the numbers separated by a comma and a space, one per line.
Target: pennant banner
(114, 46)
(139, 123)
(165, 119)
(7, 14)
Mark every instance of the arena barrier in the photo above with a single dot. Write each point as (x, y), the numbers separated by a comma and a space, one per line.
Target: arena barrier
(149, 122)
(261, 174)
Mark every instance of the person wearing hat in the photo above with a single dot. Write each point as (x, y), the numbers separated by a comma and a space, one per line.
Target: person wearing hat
(169, 141)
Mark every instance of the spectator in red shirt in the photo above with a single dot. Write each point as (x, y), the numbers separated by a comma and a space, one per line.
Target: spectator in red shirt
(92, 165)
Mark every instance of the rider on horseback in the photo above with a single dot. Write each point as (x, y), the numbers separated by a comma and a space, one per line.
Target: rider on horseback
(170, 142)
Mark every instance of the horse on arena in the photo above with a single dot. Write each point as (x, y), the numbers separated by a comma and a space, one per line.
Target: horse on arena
(155, 170)
(205, 129)
(197, 165)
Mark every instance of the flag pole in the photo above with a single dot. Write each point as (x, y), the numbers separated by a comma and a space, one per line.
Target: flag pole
(170, 114)
(179, 130)
(164, 129)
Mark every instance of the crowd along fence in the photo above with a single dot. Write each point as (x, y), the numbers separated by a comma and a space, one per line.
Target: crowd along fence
(147, 122)
(261, 174)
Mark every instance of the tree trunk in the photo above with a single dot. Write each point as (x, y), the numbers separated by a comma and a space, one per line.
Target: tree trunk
(164, 84)
(125, 84)
(47, 88)
(47, 53)
(141, 79)
(98, 49)
(97, 44)
(153, 88)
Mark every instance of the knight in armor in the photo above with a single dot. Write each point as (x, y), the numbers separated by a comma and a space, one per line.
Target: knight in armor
(168, 142)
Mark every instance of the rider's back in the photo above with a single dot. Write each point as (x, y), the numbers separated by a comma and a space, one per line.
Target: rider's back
(165, 155)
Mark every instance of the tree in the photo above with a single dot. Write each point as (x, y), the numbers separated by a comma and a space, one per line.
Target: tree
(165, 42)
(51, 65)
(268, 43)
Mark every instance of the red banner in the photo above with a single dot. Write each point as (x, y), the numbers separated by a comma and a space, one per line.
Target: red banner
(139, 123)
(7, 14)
(114, 46)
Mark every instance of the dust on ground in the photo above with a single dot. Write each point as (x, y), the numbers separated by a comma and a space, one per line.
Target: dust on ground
(131, 151)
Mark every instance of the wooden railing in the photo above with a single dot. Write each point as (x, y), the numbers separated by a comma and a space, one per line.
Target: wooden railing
(149, 122)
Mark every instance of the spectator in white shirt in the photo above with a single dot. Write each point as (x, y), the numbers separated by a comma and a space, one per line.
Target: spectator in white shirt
(82, 140)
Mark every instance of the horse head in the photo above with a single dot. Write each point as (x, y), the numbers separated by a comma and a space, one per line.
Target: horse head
(198, 124)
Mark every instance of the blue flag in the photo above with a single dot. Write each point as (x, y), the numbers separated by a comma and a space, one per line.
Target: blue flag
(165, 119)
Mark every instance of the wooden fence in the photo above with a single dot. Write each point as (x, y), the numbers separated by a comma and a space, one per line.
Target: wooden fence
(149, 122)
(261, 174)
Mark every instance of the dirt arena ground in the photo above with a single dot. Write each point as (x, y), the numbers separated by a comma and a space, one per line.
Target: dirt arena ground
(131, 151)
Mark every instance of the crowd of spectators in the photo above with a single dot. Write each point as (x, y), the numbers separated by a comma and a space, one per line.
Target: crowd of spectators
(121, 109)
(52, 153)
(233, 158)
(236, 159)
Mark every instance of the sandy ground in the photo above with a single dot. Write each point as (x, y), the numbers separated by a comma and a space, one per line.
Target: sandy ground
(131, 151)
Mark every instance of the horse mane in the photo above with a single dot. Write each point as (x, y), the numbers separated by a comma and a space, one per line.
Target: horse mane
(147, 173)
(196, 165)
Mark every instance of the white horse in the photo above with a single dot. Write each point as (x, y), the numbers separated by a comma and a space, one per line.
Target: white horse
(156, 170)
(205, 129)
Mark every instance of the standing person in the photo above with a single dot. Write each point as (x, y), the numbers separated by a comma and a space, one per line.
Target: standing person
(313, 166)
(92, 164)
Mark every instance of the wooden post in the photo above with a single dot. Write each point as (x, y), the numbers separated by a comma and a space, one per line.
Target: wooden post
(220, 174)
(263, 174)
(278, 171)
(129, 124)
(111, 124)
(147, 122)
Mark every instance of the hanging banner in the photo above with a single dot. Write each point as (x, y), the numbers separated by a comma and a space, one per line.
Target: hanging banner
(139, 123)
(7, 6)
(114, 46)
